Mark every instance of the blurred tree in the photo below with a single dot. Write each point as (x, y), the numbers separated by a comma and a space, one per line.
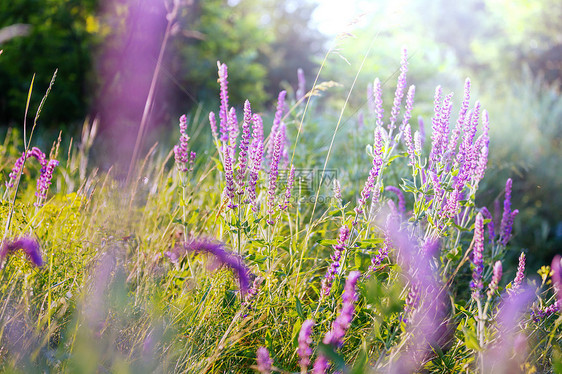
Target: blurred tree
(61, 35)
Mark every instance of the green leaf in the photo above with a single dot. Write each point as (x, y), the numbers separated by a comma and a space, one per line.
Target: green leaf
(470, 339)
(299, 308)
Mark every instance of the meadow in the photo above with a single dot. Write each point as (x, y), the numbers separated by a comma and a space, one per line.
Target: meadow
(276, 249)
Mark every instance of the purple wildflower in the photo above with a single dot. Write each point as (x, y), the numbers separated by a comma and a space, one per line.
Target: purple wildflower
(496, 277)
(507, 217)
(221, 255)
(254, 173)
(435, 127)
(360, 121)
(409, 144)
(301, 84)
(34, 152)
(545, 312)
(305, 340)
(437, 189)
(379, 111)
(276, 124)
(28, 245)
(373, 174)
(477, 259)
(421, 130)
(181, 151)
(401, 201)
(244, 145)
(377, 260)
(399, 94)
(491, 233)
(460, 121)
(229, 187)
(213, 123)
(337, 190)
(409, 106)
(418, 143)
(264, 361)
(273, 174)
(232, 133)
(223, 112)
(290, 180)
(44, 180)
(520, 274)
(253, 291)
(341, 324)
(335, 265)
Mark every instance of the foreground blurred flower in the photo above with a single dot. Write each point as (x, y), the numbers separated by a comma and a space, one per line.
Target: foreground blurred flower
(341, 324)
(222, 256)
(264, 361)
(28, 245)
(305, 340)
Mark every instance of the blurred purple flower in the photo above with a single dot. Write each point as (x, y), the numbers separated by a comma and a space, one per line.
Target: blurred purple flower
(491, 233)
(341, 324)
(409, 106)
(301, 89)
(379, 111)
(276, 124)
(222, 256)
(452, 146)
(401, 201)
(223, 112)
(305, 340)
(557, 277)
(213, 123)
(28, 245)
(507, 217)
(264, 361)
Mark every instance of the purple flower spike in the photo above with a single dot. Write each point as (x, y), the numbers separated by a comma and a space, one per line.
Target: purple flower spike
(181, 151)
(335, 265)
(222, 256)
(44, 180)
(379, 111)
(477, 259)
(409, 106)
(301, 84)
(229, 187)
(409, 144)
(213, 123)
(28, 245)
(290, 180)
(507, 218)
(399, 94)
(491, 233)
(223, 112)
(496, 277)
(377, 260)
(341, 324)
(520, 275)
(421, 130)
(254, 173)
(401, 201)
(244, 146)
(276, 123)
(305, 340)
(264, 361)
(273, 175)
(373, 174)
(34, 152)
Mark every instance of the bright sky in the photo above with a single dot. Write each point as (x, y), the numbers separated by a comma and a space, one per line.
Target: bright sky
(334, 16)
